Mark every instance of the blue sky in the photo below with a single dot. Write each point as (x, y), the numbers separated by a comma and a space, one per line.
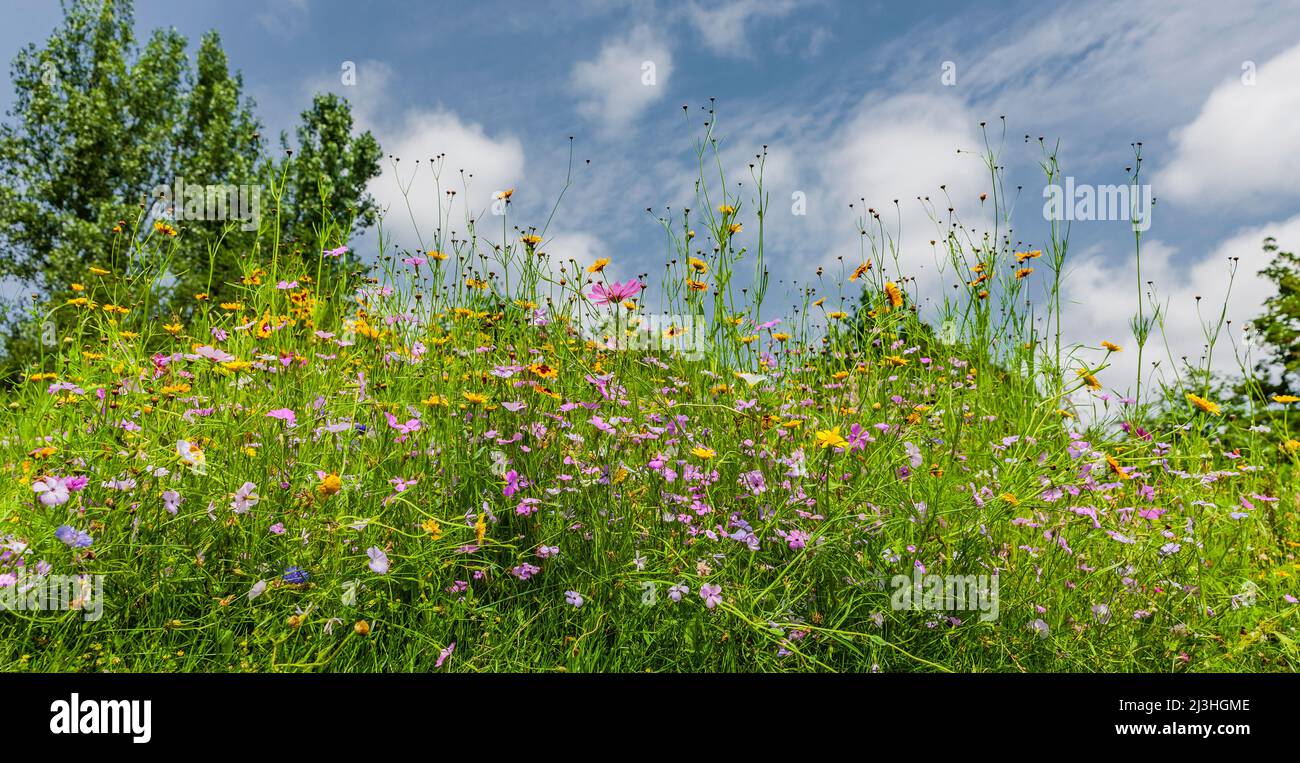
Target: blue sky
(849, 98)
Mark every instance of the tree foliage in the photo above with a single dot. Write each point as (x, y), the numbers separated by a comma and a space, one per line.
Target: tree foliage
(1277, 328)
(101, 122)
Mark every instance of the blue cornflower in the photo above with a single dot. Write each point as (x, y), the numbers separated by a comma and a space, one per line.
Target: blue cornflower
(73, 537)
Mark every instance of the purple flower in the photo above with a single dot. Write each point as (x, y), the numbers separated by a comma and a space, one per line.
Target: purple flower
(858, 437)
(51, 491)
(913, 454)
(246, 497)
(712, 595)
(574, 598)
(401, 484)
(444, 654)
(171, 501)
(378, 560)
(73, 537)
(525, 571)
(295, 575)
(677, 592)
(411, 425)
(513, 483)
(277, 528)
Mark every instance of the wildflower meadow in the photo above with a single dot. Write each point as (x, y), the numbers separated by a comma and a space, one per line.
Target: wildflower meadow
(254, 421)
(476, 458)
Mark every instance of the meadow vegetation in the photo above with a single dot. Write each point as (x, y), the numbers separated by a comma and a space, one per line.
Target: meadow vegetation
(471, 457)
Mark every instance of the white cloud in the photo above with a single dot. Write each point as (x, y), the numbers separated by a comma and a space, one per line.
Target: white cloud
(629, 74)
(369, 90)
(1244, 146)
(286, 18)
(473, 162)
(905, 148)
(1102, 297)
(724, 25)
(489, 164)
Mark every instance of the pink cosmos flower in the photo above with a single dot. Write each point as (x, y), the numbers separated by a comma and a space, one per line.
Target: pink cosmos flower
(604, 294)
(411, 425)
(213, 354)
(444, 654)
(283, 414)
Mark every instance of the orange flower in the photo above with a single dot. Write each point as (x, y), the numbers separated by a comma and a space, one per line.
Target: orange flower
(894, 294)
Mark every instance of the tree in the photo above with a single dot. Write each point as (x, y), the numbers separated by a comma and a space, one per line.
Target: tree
(1277, 329)
(99, 125)
(218, 144)
(93, 122)
(326, 178)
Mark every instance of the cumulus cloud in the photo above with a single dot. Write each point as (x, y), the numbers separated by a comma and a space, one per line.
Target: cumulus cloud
(1244, 146)
(903, 148)
(900, 147)
(629, 74)
(1102, 297)
(472, 162)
